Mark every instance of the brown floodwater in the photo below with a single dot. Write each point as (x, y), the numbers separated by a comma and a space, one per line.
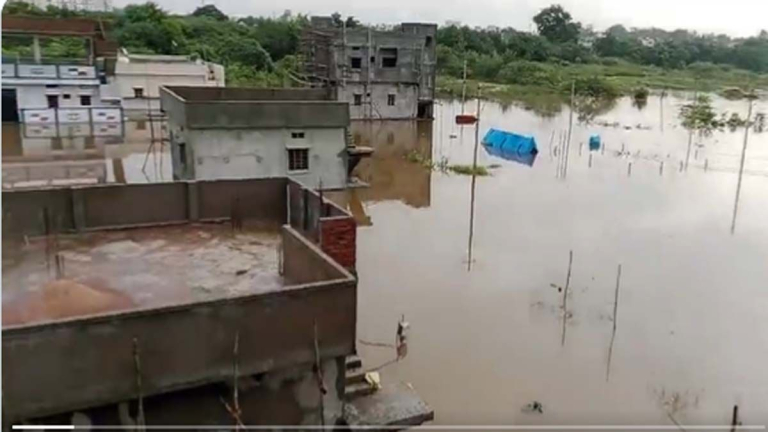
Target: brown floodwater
(691, 338)
(692, 329)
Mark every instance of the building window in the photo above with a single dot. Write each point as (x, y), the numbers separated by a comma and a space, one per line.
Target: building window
(355, 62)
(66, 96)
(85, 100)
(51, 86)
(388, 57)
(138, 92)
(298, 159)
(53, 101)
(428, 42)
(297, 135)
(391, 100)
(358, 99)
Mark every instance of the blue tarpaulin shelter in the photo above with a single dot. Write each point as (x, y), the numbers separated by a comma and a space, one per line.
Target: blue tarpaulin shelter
(510, 146)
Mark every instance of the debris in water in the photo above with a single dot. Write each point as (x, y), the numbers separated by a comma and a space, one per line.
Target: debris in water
(534, 407)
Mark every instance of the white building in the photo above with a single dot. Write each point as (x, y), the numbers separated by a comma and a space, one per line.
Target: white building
(138, 78)
(51, 91)
(230, 133)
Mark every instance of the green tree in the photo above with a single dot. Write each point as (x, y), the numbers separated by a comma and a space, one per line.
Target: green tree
(210, 11)
(557, 25)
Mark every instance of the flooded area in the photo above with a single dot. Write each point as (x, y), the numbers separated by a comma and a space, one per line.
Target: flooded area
(691, 338)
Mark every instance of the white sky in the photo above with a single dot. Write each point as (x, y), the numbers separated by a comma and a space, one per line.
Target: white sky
(733, 17)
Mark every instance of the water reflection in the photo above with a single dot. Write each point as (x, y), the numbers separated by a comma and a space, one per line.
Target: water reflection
(39, 155)
(388, 172)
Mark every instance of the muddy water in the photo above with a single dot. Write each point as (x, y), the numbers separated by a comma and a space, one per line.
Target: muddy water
(691, 336)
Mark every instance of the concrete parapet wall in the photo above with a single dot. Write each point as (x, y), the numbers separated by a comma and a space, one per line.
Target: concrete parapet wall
(72, 209)
(89, 362)
(323, 222)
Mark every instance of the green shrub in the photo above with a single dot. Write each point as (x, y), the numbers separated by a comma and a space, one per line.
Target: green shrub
(530, 73)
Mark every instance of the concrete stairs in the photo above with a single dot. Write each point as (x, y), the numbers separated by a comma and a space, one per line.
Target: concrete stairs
(355, 384)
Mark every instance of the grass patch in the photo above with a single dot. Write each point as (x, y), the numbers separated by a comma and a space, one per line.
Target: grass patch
(479, 170)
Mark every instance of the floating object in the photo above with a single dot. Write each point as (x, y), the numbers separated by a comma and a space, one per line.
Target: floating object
(466, 119)
(534, 407)
(373, 379)
(525, 159)
(511, 146)
(594, 142)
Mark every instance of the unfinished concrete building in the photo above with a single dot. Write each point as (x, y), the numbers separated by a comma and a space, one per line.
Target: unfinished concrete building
(210, 303)
(255, 133)
(383, 74)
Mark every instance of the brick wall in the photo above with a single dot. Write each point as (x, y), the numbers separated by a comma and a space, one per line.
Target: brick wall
(338, 238)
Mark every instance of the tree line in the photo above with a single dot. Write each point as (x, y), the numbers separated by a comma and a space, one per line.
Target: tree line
(263, 51)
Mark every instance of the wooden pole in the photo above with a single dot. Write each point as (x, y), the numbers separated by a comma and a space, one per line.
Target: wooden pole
(472, 190)
(235, 376)
(140, 420)
(464, 87)
(741, 167)
(320, 380)
(565, 296)
(570, 127)
(615, 318)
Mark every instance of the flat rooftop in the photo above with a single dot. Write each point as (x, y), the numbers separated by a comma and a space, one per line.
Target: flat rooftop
(229, 94)
(65, 276)
(249, 108)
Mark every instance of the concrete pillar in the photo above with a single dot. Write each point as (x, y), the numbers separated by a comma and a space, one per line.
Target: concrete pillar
(36, 49)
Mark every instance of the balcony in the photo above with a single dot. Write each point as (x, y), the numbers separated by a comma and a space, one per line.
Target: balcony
(56, 69)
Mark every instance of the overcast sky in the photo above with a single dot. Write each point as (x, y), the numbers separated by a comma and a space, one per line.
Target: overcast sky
(733, 17)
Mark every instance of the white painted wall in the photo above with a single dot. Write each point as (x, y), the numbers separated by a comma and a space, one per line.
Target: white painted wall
(151, 75)
(230, 154)
(35, 95)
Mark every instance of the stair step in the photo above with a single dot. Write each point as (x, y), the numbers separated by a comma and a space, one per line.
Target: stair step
(353, 362)
(357, 390)
(355, 375)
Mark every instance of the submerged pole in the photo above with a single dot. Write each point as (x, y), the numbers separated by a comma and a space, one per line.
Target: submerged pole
(565, 296)
(472, 191)
(570, 127)
(615, 316)
(741, 167)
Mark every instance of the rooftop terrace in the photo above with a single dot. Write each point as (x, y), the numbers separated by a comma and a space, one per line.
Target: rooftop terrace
(177, 270)
(78, 275)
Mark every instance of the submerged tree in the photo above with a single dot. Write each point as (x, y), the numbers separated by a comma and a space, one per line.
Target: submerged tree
(700, 117)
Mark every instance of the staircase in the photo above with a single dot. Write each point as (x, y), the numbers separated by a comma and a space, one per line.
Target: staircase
(355, 385)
